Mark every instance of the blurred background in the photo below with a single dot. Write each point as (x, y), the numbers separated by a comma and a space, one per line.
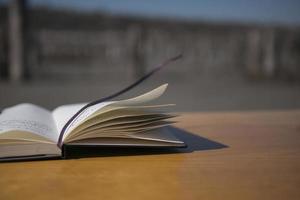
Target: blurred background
(237, 54)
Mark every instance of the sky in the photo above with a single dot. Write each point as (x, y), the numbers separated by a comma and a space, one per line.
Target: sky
(253, 11)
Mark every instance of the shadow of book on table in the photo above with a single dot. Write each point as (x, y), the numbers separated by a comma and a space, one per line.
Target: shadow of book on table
(193, 142)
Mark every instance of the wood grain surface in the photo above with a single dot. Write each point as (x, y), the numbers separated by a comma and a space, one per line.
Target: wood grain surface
(231, 155)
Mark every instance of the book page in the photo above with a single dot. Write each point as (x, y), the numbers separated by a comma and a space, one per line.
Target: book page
(157, 137)
(124, 120)
(62, 114)
(28, 118)
(113, 112)
(144, 98)
(124, 131)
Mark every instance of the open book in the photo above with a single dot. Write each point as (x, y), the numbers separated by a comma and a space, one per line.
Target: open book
(28, 130)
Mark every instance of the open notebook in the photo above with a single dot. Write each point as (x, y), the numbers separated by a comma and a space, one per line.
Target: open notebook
(27, 130)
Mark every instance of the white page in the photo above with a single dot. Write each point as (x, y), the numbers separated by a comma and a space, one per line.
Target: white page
(62, 114)
(113, 132)
(112, 112)
(28, 118)
(129, 120)
(157, 137)
(144, 98)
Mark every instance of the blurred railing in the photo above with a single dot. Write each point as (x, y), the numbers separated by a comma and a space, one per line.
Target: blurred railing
(82, 50)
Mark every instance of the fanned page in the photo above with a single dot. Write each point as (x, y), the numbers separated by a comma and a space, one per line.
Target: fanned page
(120, 119)
(62, 114)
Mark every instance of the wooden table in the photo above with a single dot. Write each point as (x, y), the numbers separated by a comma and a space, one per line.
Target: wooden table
(240, 155)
